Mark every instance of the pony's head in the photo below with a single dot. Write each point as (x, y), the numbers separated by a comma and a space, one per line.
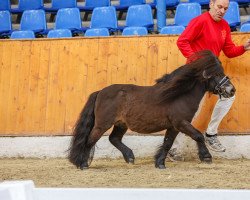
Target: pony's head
(220, 85)
(216, 80)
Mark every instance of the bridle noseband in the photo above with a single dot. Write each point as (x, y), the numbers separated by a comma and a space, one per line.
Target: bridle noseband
(218, 87)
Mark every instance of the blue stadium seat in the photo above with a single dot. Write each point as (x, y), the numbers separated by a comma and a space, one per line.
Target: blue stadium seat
(28, 5)
(129, 31)
(91, 4)
(124, 4)
(5, 23)
(140, 15)
(5, 5)
(232, 15)
(22, 35)
(34, 20)
(69, 18)
(59, 33)
(245, 27)
(58, 4)
(171, 30)
(185, 12)
(203, 3)
(104, 17)
(242, 3)
(93, 32)
(170, 4)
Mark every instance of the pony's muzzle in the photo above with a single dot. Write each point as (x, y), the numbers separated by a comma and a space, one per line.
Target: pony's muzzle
(230, 90)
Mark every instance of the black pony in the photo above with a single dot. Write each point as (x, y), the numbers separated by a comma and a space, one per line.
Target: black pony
(168, 105)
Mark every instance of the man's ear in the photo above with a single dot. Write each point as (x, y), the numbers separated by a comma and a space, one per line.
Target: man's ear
(211, 3)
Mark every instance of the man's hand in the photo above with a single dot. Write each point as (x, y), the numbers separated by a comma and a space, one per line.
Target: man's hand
(247, 45)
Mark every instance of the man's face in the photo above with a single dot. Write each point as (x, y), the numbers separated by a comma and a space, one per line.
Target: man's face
(218, 9)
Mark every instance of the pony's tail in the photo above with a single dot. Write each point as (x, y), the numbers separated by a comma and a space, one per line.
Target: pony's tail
(81, 132)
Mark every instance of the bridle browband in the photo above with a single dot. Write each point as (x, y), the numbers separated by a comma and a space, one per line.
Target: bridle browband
(218, 87)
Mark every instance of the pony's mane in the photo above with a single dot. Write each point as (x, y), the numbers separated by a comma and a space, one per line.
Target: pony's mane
(184, 78)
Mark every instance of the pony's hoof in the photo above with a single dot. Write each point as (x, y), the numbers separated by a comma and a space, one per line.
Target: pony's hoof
(207, 160)
(82, 167)
(161, 167)
(131, 161)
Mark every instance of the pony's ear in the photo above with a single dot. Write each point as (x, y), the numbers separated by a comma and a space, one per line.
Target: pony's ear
(205, 75)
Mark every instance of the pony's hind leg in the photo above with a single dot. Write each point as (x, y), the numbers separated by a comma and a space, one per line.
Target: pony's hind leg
(116, 139)
(94, 136)
(162, 152)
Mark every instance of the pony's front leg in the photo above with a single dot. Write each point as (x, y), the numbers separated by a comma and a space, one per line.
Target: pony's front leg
(186, 127)
(162, 152)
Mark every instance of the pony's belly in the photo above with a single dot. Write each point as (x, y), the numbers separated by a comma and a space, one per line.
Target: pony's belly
(146, 119)
(147, 127)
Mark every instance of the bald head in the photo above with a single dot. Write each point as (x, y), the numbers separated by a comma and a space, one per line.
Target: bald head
(218, 9)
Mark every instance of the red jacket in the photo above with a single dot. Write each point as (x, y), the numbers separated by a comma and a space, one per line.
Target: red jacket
(203, 33)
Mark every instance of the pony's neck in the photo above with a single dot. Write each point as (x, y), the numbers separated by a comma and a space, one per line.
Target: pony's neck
(195, 96)
(199, 91)
(187, 89)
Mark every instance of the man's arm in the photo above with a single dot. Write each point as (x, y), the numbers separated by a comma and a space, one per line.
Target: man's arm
(230, 49)
(189, 34)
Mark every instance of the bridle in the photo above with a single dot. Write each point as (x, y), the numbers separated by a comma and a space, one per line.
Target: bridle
(218, 87)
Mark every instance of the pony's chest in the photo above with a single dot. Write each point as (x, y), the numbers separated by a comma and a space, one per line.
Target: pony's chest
(183, 110)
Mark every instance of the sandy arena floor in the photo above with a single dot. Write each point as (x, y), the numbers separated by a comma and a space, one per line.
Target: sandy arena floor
(229, 174)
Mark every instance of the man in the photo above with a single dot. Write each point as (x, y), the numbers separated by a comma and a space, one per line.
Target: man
(211, 32)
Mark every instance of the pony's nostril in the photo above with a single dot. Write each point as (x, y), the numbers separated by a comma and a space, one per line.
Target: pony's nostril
(232, 91)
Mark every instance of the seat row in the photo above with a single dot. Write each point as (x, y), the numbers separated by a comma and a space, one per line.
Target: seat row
(95, 32)
(91, 4)
(128, 31)
(57, 4)
(105, 17)
(65, 33)
(70, 18)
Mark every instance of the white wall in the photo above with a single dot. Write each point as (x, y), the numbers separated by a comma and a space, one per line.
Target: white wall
(237, 146)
